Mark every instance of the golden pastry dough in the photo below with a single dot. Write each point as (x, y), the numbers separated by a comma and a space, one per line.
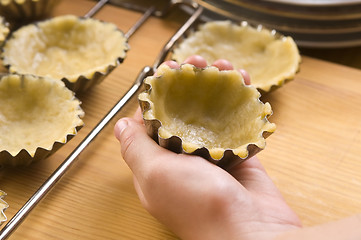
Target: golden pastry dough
(35, 113)
(65, 47)
(269, 58)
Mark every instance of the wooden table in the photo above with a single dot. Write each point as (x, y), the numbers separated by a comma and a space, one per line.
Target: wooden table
(313, 157)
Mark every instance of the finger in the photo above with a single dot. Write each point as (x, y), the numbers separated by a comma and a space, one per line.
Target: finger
(143, 155)
(138, 116)
(253, 176)
(223, 64)
(136, 146)
(197, 61)
(254, 162)
(246, 77)
(170, 63)
(140, 193)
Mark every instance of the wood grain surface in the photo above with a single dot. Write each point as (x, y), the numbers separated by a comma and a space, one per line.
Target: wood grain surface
(313, 157)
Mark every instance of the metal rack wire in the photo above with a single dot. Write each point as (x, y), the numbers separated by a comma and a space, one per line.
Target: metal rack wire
(63, 168)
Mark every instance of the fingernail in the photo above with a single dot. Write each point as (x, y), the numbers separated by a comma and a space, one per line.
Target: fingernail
(119, 127)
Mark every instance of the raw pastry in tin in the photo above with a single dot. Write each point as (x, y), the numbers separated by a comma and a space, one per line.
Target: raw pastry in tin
(205, 112)
(269, 58)
(37, 116)
(80, 51)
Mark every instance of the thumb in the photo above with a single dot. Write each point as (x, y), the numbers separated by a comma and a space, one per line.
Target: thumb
(137, 148)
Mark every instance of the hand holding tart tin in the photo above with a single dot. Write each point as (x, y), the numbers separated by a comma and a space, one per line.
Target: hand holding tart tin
(205, 112)
(270, 58)
(37, 116)
(80, 51)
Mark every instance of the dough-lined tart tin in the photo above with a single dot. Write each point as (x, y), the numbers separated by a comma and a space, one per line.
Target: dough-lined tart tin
(205, 112)
(3, 207)
(270, 58)
(37, 116)
(27, 10)
(80, 51)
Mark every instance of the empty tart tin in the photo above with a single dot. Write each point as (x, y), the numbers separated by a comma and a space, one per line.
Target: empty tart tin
(3, 207)
(205, 112)
(37, 116)
(270, 58)
(22, 11)
(80, 51)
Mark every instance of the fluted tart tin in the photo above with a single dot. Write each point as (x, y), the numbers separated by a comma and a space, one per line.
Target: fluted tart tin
(270, 58)
(80, 51)
(205, 112)
(37, 116)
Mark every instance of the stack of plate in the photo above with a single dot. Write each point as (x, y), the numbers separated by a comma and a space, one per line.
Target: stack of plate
(312, 23)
